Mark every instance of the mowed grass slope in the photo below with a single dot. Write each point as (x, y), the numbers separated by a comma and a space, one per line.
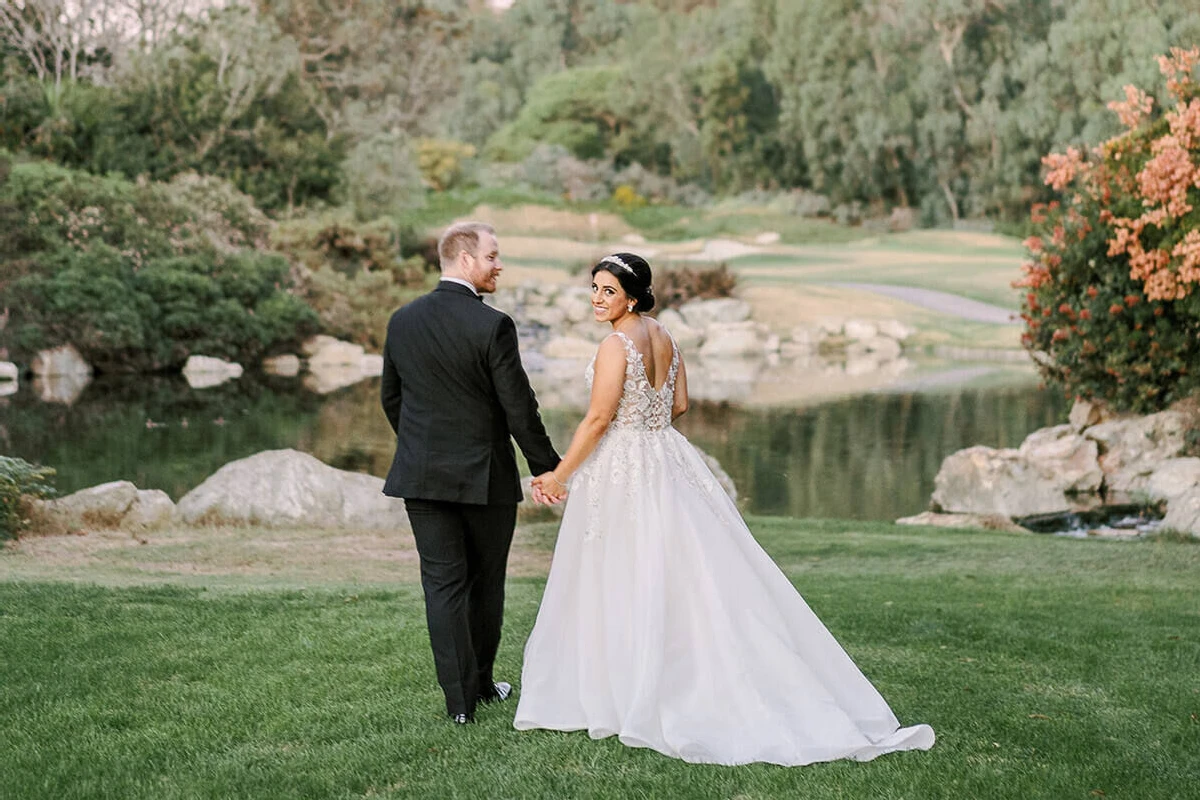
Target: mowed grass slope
(1050, 668)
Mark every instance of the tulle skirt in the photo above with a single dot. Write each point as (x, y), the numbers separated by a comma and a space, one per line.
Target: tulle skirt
(664, 623)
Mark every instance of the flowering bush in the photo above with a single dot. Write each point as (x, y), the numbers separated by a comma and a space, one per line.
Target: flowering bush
(1111, 307)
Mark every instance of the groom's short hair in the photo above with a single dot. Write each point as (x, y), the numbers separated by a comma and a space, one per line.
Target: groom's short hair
(461, 237)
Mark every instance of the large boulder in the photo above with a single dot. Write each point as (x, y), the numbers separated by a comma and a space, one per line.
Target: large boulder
(153, 509)
(102, 506)
(699, 314)
(1177, 481)
(1131, 448)
(118, 504)
(984, 480)
(285, 487)
(1061, 451)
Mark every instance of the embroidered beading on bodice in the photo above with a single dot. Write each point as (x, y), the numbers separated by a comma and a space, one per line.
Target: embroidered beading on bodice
(642, 406)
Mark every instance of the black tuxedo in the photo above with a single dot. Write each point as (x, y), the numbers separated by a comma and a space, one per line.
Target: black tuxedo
(455, 393)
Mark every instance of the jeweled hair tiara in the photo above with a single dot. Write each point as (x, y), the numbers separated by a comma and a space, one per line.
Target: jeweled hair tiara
(616, 260)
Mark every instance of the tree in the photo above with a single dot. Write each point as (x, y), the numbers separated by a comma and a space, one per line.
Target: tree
(60, 40)
(575, 109)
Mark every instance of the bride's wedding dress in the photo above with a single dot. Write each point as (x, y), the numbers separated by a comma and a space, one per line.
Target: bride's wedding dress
(664, 623)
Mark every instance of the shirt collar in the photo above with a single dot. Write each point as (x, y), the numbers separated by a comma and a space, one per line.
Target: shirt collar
(462, 282)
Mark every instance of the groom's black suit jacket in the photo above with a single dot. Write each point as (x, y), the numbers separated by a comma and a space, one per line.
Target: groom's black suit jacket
(456, 395)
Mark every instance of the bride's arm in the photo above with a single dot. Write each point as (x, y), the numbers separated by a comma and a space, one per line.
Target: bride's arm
(679, 405)
(607, 385)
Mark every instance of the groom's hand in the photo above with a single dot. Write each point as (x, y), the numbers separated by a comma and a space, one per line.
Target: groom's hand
(539, 496)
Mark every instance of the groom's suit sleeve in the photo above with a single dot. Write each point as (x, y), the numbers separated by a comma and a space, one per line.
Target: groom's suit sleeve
(389, 388)
(517, 399)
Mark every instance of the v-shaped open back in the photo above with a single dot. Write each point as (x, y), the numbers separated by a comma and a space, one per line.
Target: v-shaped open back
(642, 406)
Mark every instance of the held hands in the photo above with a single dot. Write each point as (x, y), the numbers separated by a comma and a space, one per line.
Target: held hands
(548, 490)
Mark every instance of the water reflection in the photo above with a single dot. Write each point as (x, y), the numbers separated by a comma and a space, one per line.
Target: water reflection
(865, 457)
(871, 456)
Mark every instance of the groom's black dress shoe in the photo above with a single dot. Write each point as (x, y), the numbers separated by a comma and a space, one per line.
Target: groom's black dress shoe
(500, 691)
(462, 719)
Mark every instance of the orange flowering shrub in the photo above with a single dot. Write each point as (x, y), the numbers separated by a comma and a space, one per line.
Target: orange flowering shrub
(1112, 300)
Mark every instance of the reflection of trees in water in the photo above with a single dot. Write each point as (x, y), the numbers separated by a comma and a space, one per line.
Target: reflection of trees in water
(157, 431)
(352, 433)
(866, 457)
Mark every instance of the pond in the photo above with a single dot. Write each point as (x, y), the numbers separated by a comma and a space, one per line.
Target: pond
(863, 456)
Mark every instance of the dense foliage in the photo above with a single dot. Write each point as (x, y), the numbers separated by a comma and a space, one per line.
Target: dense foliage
(1112, 309)
(943, 107)
(353, 274)
(140, 276)
(20, 481)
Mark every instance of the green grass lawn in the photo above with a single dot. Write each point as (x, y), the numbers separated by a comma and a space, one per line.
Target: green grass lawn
(676, 223)
(986, 279)
(1049, 667)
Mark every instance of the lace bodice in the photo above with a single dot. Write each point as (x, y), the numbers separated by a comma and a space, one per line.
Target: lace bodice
(642, 406)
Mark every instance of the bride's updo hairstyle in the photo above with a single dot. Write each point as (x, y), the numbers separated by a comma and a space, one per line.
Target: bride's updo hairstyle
(633, 273)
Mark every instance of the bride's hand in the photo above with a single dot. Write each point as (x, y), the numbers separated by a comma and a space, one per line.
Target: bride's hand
(549, 486)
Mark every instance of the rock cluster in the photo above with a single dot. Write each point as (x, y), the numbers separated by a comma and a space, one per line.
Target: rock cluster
(273, 488)
(727, 350)
(1096, 458)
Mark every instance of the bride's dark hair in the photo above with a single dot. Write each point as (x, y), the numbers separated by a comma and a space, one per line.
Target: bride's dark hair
(633, 273)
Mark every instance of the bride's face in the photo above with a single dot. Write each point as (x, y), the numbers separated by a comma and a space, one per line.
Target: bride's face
(609, 301)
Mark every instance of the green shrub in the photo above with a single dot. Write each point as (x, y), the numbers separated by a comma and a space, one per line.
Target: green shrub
(675, 286)
(1111, 309)
(140, 276)
(354, 274)
(345, 245)
(19, 481)
(357, 308)
(22, 109)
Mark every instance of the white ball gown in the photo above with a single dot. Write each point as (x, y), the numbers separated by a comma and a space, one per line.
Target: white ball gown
(665, 624)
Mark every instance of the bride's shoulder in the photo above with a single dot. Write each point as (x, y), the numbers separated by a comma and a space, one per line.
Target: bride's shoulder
(613, 343)
(658, 331)
(656, 328)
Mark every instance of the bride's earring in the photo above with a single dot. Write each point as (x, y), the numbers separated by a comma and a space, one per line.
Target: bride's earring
(629, 308)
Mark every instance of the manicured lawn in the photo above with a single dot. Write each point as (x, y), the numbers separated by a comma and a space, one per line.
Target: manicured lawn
(1050, 668)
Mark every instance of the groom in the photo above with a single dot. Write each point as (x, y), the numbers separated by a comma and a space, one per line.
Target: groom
(456, 395)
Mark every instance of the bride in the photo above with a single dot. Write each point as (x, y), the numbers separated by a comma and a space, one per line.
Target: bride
(663, 622)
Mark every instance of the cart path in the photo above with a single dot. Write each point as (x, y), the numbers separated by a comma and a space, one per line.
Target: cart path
(942, 302)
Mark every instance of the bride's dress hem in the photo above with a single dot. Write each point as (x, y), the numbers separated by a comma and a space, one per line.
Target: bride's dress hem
(915, 737)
